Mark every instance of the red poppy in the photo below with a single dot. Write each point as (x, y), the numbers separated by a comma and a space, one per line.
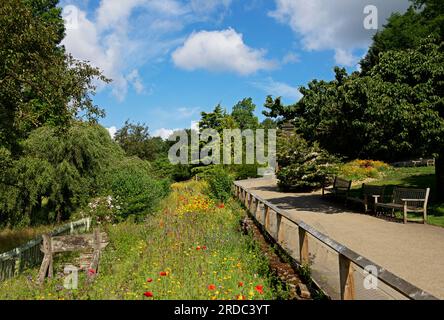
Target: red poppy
(240, 284)
(211, 287)
(149, 280)
(91, 272)
(148, 294)
(198, 248)
(260, 289)
(204, 248)
(163, 274)
(221, 206)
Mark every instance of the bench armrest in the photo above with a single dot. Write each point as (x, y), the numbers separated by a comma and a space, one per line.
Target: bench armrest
(413, 200)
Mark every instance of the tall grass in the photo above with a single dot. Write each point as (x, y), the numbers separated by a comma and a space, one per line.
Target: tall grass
(192, 249)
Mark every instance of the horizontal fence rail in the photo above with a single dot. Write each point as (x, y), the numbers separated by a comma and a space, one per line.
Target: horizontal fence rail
(29, 255)
(348, 261)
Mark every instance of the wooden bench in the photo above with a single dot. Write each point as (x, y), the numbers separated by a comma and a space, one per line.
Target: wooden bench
(367, 196)
(340, 188)
(91, 244)
(407, 200)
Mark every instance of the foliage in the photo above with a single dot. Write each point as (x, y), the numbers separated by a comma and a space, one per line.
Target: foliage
(303, 166)
(243, 115)
(56, 173)
(220, 183)
(405, 31)
(130, 182)
(40, 83)
(363, 169)
(245, 171)
(196, 256)
(136, 141)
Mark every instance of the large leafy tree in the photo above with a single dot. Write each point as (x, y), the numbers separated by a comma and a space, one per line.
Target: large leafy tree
(394, 111)
(39, 82)
(136, 141)
(243, 114)
(405, 31)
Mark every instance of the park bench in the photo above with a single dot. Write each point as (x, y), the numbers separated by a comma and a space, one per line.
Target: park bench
(90, 245)
(340, 188)
(367, 198)
(407, 200)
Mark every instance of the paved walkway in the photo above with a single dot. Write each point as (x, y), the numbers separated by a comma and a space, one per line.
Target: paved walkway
(414, 252)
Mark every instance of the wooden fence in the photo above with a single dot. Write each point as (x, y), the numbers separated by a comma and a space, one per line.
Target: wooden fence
(348, 261)
(29, 255)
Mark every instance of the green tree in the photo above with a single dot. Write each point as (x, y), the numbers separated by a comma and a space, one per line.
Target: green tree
(405, 31)
(136, 141)
(243, 114)
(39, 83)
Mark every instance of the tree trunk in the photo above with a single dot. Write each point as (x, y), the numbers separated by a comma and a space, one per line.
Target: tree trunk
(440, 177)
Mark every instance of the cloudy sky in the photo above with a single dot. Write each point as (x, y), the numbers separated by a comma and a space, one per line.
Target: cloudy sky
(171, 59)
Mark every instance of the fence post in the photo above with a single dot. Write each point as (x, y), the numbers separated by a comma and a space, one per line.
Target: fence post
(304, 254)
(278, 225)
(267, 217)
(346, 278)
(18, 261)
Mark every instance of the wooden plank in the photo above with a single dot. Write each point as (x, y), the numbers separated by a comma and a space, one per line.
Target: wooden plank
(346, 278)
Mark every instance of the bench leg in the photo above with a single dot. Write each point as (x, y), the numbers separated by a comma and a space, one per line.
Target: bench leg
(425, 216)
(405, 214)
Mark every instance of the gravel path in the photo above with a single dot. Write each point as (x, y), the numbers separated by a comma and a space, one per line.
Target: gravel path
(414, 252)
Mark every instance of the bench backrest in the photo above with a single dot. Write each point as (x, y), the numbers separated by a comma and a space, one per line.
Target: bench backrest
(342, 184)
(408, 193)
(368, 190)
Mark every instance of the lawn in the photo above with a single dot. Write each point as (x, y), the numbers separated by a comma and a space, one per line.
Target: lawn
(191, 249)
(421, 177)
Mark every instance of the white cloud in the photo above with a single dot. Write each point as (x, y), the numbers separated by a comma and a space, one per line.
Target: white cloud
(120, 37)
(222, 50)
(278, 89)
(112, 132)
(291, 58)
(334, 25)
(187, 112)
(345, 58)
(164, 133)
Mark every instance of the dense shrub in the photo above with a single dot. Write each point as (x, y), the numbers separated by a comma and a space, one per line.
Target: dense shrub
(363, 169)
(130, 182)
(55, 174)
(220, 183)
(303, 166)
(246, 171)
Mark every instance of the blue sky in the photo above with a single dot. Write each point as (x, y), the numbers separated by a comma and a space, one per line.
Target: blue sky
(171, 59)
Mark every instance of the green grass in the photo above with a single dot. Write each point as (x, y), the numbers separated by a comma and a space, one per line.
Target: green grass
(196, 242)
(421, 177)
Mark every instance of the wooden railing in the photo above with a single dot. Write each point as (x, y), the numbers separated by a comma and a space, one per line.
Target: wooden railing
(348, 259)
(29, 255)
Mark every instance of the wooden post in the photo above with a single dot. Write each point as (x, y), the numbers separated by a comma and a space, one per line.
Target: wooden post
(47, 264)
(405, 213)
(304, 255)
(346, 278)
(250, 203)
(278, 225)
(267, 216)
